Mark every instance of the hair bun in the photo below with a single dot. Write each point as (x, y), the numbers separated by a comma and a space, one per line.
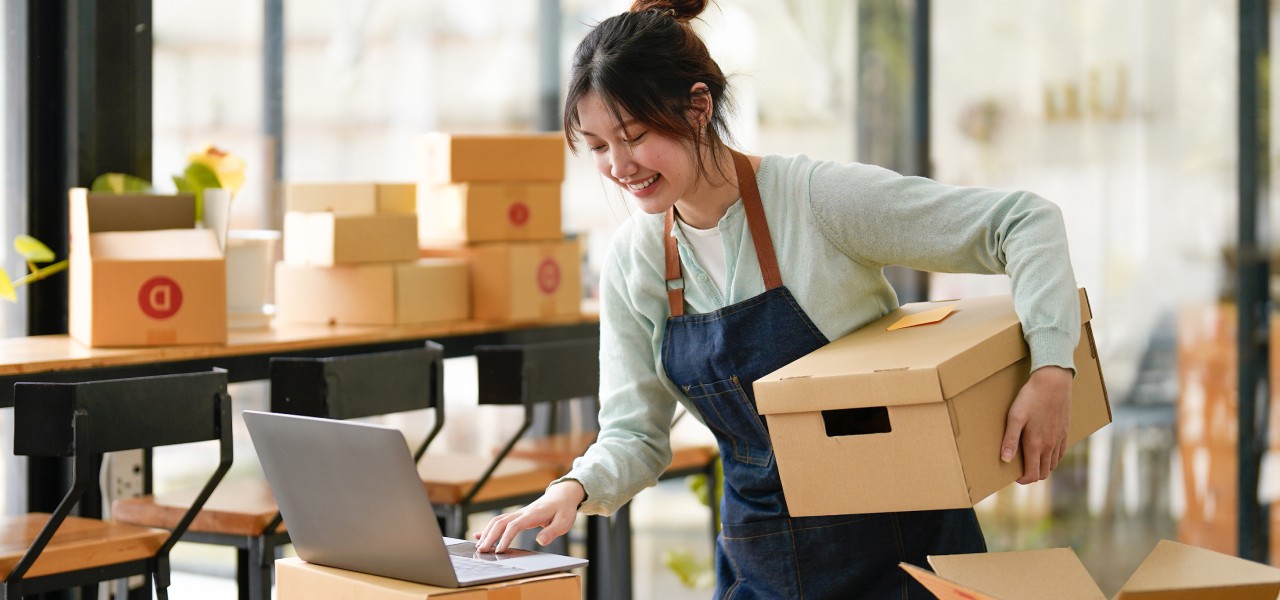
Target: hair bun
(681, 10)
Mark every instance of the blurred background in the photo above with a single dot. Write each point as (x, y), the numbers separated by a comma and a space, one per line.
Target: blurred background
(1126, 113)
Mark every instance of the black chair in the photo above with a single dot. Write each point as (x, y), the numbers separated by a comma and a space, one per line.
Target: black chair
(529, 376)
(83, 421)
(243, 513)
(544, 376)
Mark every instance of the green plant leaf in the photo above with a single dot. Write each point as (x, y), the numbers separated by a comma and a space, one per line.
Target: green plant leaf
(120, 183)
(198, 177)
(693, 573)
(6, 287)
(32, 250)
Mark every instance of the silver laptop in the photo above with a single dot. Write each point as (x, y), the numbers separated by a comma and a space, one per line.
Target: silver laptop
(352, 499)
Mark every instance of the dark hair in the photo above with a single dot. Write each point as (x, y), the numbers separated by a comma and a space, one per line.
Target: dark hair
(645, 62)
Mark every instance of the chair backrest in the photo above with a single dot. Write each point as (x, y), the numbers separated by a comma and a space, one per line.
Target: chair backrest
(536, 373)
(361, 385)
(86, 420)
(76, 419)
(532, 375)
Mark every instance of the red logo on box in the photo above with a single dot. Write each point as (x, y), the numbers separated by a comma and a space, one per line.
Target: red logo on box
(518, 214)
(548, 276)
(160, 297)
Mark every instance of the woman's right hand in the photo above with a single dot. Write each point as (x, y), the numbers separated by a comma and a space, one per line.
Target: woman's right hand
(554, 512)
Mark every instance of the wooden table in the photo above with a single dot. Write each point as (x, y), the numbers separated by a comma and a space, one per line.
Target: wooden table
(58, 358)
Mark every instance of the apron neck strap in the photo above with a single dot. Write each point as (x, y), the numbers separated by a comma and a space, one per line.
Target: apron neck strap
(756, 222)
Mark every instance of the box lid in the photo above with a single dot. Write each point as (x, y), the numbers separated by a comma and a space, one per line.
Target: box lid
(1050, 574)
(877, 366)
(1172, 569)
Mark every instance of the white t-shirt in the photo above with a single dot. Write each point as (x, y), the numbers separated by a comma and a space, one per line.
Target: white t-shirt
(709, 251)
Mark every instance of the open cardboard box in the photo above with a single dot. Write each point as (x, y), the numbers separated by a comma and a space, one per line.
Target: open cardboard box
(894, 418)
(141, 274)
(1172, 571)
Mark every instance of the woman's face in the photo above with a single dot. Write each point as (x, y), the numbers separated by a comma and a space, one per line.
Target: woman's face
(655, 169)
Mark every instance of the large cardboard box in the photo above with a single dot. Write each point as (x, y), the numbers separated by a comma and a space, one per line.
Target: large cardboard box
(327, 239)
(141, 275)
(424, 291)
(445, 158)
(300, 580)
(364, 198)
(488, 212)
(1172, 571)
(912, 418)
(521, 281)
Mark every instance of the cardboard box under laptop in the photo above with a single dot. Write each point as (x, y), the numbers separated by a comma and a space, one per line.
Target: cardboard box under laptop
(1172, 571)
(521, 281)
(445, 157)
(363, 198)
(919, 410)
(299, 580)
(327, 238)
(488, 212)
(141, 274)
(422, 291)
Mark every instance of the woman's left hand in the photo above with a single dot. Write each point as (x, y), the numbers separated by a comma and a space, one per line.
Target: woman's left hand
(1038, 420)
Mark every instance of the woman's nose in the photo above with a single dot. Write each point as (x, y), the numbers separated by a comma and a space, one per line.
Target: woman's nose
(621, 163)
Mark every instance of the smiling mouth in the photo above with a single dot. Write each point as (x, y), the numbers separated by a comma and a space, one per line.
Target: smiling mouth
(635, 187)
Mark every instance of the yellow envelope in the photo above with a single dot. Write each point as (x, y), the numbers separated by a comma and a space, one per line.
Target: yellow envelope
(923, 318)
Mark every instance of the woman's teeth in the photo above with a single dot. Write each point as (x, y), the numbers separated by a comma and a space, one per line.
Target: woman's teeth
(643, 184)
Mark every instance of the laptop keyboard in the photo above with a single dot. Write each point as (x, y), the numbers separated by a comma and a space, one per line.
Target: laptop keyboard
(469, 564)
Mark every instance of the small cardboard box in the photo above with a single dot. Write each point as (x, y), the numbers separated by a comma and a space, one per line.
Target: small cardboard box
(421, 291)
(521, 281)
(488, 212)
(912, 418)
(300, 580)
(327, 239)
(141, 275)
(1172, 571)
(363, 198)
(446, 158)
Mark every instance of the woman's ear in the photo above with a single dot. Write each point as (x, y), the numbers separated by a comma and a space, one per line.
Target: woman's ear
(701, 105)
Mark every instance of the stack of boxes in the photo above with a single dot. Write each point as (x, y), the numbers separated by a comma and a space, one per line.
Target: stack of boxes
(351, 257)
(494, 201)
(1208, 430)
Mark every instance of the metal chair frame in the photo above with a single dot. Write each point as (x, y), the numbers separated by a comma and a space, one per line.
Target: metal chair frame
(85, 420)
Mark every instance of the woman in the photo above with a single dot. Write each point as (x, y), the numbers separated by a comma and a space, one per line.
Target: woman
(693, 309)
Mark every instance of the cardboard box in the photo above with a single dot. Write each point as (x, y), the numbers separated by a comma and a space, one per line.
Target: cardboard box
(327, 239)
(912, 418)
(300, 580)
(422, 291)
(1172, 571)
(141, 275)
(363, 198)
(488, 212)
(521, 281)
(445, 158)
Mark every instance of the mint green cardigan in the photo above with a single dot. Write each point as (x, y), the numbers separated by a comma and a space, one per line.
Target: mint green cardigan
(835, 227)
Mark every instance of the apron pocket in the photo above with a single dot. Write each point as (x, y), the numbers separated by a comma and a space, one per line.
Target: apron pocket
(728, 410)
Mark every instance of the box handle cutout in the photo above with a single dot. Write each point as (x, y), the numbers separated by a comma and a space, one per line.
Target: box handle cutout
(856, 421)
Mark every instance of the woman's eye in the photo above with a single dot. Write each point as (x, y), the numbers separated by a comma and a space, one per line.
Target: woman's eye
(598, 149)
(637, 138)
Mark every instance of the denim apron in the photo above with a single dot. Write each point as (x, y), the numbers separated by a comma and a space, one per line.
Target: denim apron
(762, 552)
